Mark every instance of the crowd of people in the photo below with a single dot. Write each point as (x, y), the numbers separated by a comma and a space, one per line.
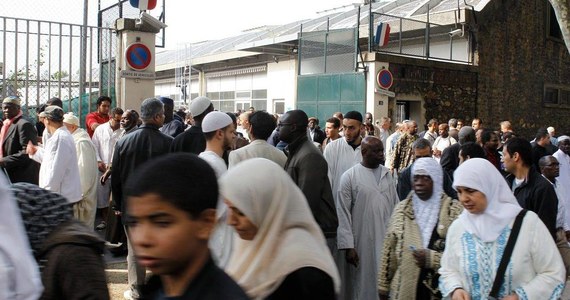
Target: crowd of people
(250, 205)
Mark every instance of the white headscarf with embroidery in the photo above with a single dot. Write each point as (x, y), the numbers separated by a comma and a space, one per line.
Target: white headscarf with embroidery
(502, 206)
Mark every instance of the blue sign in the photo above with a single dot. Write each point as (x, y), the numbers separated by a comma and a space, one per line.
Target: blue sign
(138, 56)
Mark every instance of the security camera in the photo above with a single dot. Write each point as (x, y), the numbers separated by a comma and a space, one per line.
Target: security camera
(456, 32)
(147, 22)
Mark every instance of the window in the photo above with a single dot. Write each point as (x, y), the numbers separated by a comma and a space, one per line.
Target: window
(259, 94)
(213, 95)
(552, 26)
(556, 96)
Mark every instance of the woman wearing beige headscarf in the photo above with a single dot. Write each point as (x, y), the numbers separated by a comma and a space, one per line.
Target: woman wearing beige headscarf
(280, 252)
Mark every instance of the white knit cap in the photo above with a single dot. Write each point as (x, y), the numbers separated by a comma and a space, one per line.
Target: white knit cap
(199, 105)
(550, 129)
(215, 120)
(70, 118)
(563, 138)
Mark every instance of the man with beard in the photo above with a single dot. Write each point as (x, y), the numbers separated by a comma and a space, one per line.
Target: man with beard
(219, 131)
(367, 198)
(15, 134)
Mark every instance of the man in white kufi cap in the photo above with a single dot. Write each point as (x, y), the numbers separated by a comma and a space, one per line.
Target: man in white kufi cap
(563, 157)
(192, 140)
(219, 131)
(86, 208)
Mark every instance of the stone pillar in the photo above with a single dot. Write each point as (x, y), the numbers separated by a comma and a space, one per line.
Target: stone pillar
(133, 86)
(376, 103)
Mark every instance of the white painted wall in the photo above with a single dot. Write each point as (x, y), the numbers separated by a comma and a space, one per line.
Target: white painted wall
(282, 83)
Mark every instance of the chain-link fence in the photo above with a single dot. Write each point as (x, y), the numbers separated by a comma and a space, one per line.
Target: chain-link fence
(421, 39)
(43, 59)
(327, 52)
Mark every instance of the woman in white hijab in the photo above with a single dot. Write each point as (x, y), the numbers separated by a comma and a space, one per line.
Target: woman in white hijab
(281, 252)
(416, 236)
(477, 240)
(19, 273)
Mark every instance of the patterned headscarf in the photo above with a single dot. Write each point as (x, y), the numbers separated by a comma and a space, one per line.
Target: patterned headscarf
(42, 212)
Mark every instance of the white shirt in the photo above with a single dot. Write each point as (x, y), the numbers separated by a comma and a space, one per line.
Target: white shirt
(59, 172)
(104, 139)
(340, 157)
(215, 161)
(564, 178)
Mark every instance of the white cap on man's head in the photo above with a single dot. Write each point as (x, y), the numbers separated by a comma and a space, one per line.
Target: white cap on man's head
(199, 105)
(550, 129)
(70, 118)
(215, 120)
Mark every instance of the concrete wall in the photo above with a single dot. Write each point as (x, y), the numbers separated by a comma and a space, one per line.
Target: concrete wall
(282, 83)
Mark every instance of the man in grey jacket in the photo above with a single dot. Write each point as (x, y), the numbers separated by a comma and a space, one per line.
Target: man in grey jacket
(308, 169)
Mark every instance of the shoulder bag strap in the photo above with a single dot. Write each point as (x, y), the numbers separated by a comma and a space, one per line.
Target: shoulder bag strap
(507, 254)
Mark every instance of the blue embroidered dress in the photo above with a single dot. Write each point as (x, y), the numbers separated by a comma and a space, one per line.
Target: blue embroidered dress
(535, 270)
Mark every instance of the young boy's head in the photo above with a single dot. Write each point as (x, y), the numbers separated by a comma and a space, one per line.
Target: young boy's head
(171, 203)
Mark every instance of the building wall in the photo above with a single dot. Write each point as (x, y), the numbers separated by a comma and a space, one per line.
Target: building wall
(516, 61)
(281, 85)
(445, 90)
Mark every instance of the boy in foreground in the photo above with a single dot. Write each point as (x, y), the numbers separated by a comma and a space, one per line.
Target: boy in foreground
(170, 215)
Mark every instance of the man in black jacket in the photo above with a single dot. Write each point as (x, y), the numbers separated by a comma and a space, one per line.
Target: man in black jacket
(533, 192)
(130, 152)
(308, 169)
(450, 156)
(193, 140)
(15, 135)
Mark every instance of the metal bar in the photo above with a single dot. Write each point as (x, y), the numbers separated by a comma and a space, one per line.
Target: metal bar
(299, 48)
(26, 82)
(370, 25)
(36, 20)
(90, 69)
(16, 83)
(400, 35)
(59, 71)
(326, 46)
(49, 61)
(82, 58)
(65, 35)
(427, 33)
(109, 64)
(100, 55)
(70, 67)
(356, 38)
(4, 58)
(39, 64)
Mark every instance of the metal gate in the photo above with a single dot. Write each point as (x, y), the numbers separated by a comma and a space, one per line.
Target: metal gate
(43, 59)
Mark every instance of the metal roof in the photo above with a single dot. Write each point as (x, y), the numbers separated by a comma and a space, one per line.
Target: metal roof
(279, 39)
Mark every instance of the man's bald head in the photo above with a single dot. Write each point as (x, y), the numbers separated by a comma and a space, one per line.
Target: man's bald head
(297, 117)
(372, 151)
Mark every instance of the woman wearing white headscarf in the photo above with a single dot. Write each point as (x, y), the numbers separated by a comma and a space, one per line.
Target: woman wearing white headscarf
(19, 273)
(477, 240)
(416, 236)
(281, 252)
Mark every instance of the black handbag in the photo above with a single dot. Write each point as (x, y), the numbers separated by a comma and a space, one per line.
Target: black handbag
(493, 295)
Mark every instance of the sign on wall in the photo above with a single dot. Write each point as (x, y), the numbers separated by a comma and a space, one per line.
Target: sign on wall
(138, 56)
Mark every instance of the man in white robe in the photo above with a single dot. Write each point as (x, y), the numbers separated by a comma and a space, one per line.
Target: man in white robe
(104, 139)
(262, 125)
(341, 155)
(219, 131)
(86, 208)
(367, 197)
(59, 172)
(563, 157)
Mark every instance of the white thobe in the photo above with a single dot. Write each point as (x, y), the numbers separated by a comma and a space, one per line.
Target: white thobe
(564, 178)
(257, 148)
(441, 143)
(58, 171)
(104, 138)
(367, 199)
(221, 239)
(340, 157)
(86, 209)
(389, 147)
(383, 136)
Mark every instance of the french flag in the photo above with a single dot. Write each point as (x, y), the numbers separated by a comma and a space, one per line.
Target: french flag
(382, 34)
(143, 4)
